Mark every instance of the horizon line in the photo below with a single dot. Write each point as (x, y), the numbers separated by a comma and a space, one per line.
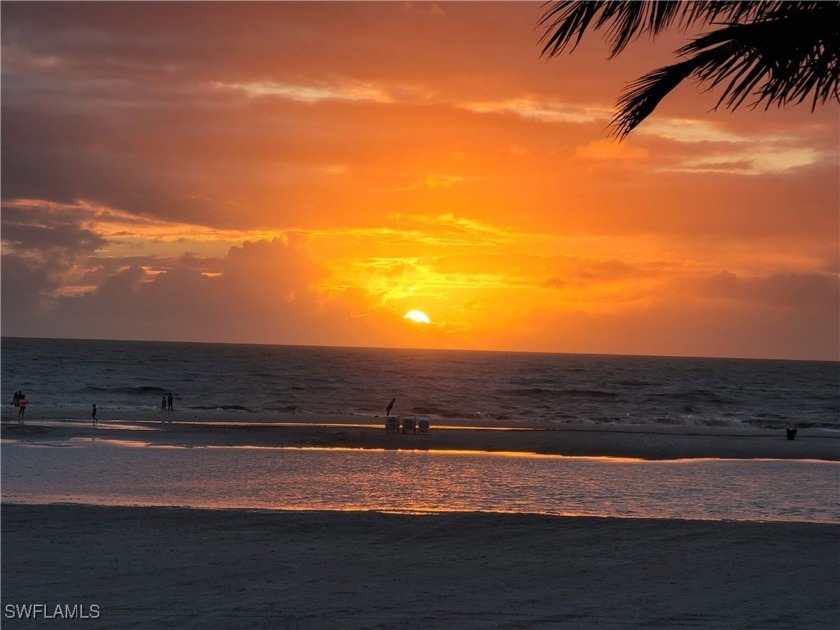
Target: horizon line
(409, 348)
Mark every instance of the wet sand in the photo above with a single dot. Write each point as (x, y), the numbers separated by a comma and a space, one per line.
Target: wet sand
(640, 441)
(180, 568)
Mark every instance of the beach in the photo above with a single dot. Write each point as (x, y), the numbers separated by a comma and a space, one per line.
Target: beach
(176, 567)
(182, 568)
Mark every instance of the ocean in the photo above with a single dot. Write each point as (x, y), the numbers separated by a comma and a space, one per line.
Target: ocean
(248, 382)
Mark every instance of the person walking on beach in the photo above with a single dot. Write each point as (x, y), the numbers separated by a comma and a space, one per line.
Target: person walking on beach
(169, 401)
(22, 402)
(389, 407)
(93, 414)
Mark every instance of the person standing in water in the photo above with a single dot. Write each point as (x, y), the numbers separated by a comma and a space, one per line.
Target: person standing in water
(93, 414)
(389, 407)
(169, 401)
(22, 402)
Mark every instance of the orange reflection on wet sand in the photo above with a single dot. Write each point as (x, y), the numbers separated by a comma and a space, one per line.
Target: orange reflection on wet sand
(416, 481)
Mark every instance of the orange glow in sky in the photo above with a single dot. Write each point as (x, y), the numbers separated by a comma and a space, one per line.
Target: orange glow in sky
(312, 172)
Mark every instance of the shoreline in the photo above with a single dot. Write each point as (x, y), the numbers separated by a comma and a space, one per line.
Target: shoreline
(649, 442)
(209, 569)
(436, 512)
(222, 416)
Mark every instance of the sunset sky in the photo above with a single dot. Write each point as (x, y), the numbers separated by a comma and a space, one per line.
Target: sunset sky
(308, 173)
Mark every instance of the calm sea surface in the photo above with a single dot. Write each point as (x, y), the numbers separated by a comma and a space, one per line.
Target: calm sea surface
(109, 473)
(237, 382)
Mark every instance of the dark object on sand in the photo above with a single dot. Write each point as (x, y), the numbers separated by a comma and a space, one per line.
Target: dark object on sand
(791, 434)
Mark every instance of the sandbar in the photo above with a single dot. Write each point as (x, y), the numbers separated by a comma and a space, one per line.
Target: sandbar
(653, 442)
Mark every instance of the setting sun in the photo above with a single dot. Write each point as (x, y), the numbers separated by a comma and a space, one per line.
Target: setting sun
(418, 316)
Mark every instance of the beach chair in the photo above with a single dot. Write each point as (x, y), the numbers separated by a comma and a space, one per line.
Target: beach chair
(423, 424)
(409, 425)
(391, 424)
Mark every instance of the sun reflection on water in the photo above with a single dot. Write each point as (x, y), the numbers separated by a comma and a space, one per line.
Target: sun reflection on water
(420, 482)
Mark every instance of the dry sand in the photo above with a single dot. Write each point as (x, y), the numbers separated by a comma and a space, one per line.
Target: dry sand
(641, 441)
(178, 568)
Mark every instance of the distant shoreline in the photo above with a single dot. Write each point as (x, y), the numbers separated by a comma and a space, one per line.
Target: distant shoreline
(649, 442)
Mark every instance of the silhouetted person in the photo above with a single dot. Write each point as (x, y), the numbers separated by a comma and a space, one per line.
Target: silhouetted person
(22, 402)
(163, 404)
(791, 433)
(93, 414)
(169, 401)
(15, 399)
(389, 407)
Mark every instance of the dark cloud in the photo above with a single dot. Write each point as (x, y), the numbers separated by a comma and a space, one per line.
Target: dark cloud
(42, 230)
(24, 282)
(794, 290)
(686, 327)
(40, 247)
(570, 271)
(264, 293)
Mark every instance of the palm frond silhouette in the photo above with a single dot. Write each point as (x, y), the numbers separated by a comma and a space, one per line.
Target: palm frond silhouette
(770, 52)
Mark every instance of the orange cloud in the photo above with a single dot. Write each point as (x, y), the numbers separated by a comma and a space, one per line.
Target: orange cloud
(611, 150)
(344, 90)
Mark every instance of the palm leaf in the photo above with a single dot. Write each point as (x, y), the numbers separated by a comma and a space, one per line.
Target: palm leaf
(566, 21)
(644, 94)
(776, 52)
(781, 60)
